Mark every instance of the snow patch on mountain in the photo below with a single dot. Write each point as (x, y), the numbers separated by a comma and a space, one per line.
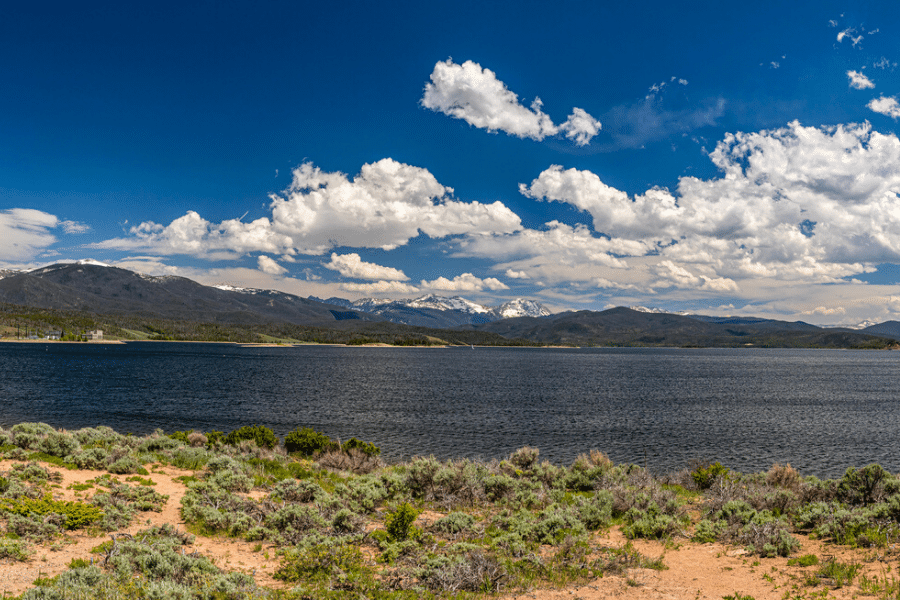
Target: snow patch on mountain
(660, 311)
(519, 307)
(91, 261)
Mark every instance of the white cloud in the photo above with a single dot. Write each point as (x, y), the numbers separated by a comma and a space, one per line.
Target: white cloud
(516, 274)
(848, 33)
(74, 227)
(794, 204)
(25, 233)
(270, 266)
(886, 106)
(475, 95)
(580, 127)
(884, 63)
(466, 282)
(824, 310)
(380, 287)
(858, 81)
(351, 265)
(384, 206)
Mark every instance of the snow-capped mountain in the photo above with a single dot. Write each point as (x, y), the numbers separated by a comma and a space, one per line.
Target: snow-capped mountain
(520, 307)
(439, 311)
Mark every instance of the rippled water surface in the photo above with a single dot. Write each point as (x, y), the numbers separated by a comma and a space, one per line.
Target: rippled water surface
(820, 410)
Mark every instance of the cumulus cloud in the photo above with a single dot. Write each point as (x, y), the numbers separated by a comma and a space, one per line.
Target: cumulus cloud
(384, 206)
(858, 81)
(270, 266)
(466, 282)
(25, 233)
(475, 95)
(580, 127)
(793, 204)
(380, 287)
(351, 265)
(886, 106)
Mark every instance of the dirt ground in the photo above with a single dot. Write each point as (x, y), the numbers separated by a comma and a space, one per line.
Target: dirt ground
(695, 571)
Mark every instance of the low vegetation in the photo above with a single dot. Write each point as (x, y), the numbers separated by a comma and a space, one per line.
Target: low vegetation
(344, 524)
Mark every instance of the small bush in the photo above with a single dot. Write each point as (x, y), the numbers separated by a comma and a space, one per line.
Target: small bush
(328, 565)
(13, 549)
(367, 448)
(784, 477)
(308, 441)
(454, 523)
(864, 486)
(59, 444)
(399, 522)
(262, 436)
(525, 457)
(705, 475)
(353, 460)
(807, 560)
(839, 574)
(78, 514)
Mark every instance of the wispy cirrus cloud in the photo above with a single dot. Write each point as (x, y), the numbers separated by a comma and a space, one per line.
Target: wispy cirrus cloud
(25, 233)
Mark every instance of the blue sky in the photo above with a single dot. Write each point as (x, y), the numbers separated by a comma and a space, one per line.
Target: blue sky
(720, 159)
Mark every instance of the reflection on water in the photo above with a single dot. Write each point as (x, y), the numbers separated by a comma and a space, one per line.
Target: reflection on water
(820, 410)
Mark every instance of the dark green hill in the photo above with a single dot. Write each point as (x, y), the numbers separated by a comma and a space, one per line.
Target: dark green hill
(627, 327)
(113, 291)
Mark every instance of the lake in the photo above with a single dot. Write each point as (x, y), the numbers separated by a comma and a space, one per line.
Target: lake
(820, 410)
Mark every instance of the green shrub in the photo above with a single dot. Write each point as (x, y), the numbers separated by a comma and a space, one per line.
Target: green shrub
(864, 486)
(59, 444)
(158, 443)
(262, 436)
(13, 549)
(839, 573)
(92, 458)
(181, 436)
(705, 475)
(367, 448)
(78, 514)
(525, 457)
(652, 524)
(127, 465)
(399, 522)
(215, 438)
(454, 523)
(807, 560)
(709, 531)
(329, 564)
(308, 441)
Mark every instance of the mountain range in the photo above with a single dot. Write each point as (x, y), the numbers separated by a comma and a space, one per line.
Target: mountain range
(92, 289)
(440, 312)
(97, 288)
